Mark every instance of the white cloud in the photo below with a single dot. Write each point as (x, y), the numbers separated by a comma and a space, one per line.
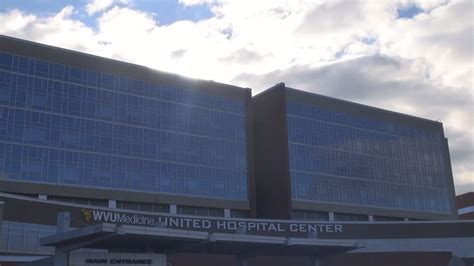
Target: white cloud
(59, 29)
(357, 50)
(196, 2)
(98, 5)
(15, 21)
(443, 39)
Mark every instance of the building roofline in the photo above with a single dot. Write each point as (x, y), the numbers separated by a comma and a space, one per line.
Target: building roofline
(378, 109)
(465, 194)
(164, 74)
(274, 87)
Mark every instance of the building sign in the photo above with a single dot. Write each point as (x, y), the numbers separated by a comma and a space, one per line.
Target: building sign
(123, 259)
(45, 212)
(259, 227)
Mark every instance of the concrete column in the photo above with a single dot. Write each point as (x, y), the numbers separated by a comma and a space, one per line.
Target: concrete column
(242, 261)
(63, 222)
(331, 216)
(456, 261)
(112, 204)
(61, 257)
(313, 261)
(227, 213)
(43, 197)
(173, 209)
(371, 218)
(1, 212)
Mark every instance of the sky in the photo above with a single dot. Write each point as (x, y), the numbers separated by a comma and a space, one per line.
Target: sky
(414, 57)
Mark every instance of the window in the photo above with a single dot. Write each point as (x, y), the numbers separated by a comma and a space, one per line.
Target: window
(350, 217)
(41, 68)
(310, 215)
(75, 75)
(128, 205)
(34, 170)
(387, 219)
(200, 211)
(6, 61)
(83, 201)
(4, 95)
(24, 237)
(239, 214)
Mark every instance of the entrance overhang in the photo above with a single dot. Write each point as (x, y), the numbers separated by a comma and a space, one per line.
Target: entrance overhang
(168, 241)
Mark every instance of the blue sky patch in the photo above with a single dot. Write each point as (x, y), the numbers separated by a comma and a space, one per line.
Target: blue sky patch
(165, 11)
(40, 7)
(369, 40)
(169, 11)
(408, 12)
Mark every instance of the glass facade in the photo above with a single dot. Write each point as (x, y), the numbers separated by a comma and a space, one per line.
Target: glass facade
(82, 201)
(350, 217)
(343, 158)
(200, 211)
(310, 215)
(66, 125)
(24, 237)
(142, 206)
(239, 214)
(17, 237)
(387, 219)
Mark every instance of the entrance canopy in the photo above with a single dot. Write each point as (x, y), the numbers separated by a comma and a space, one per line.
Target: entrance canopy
(133, 238)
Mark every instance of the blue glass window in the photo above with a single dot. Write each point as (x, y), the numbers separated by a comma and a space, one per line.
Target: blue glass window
(6, 61)
(116, 128)
(343, 158)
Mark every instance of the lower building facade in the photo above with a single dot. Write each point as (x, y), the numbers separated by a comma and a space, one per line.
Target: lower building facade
(49, 232)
